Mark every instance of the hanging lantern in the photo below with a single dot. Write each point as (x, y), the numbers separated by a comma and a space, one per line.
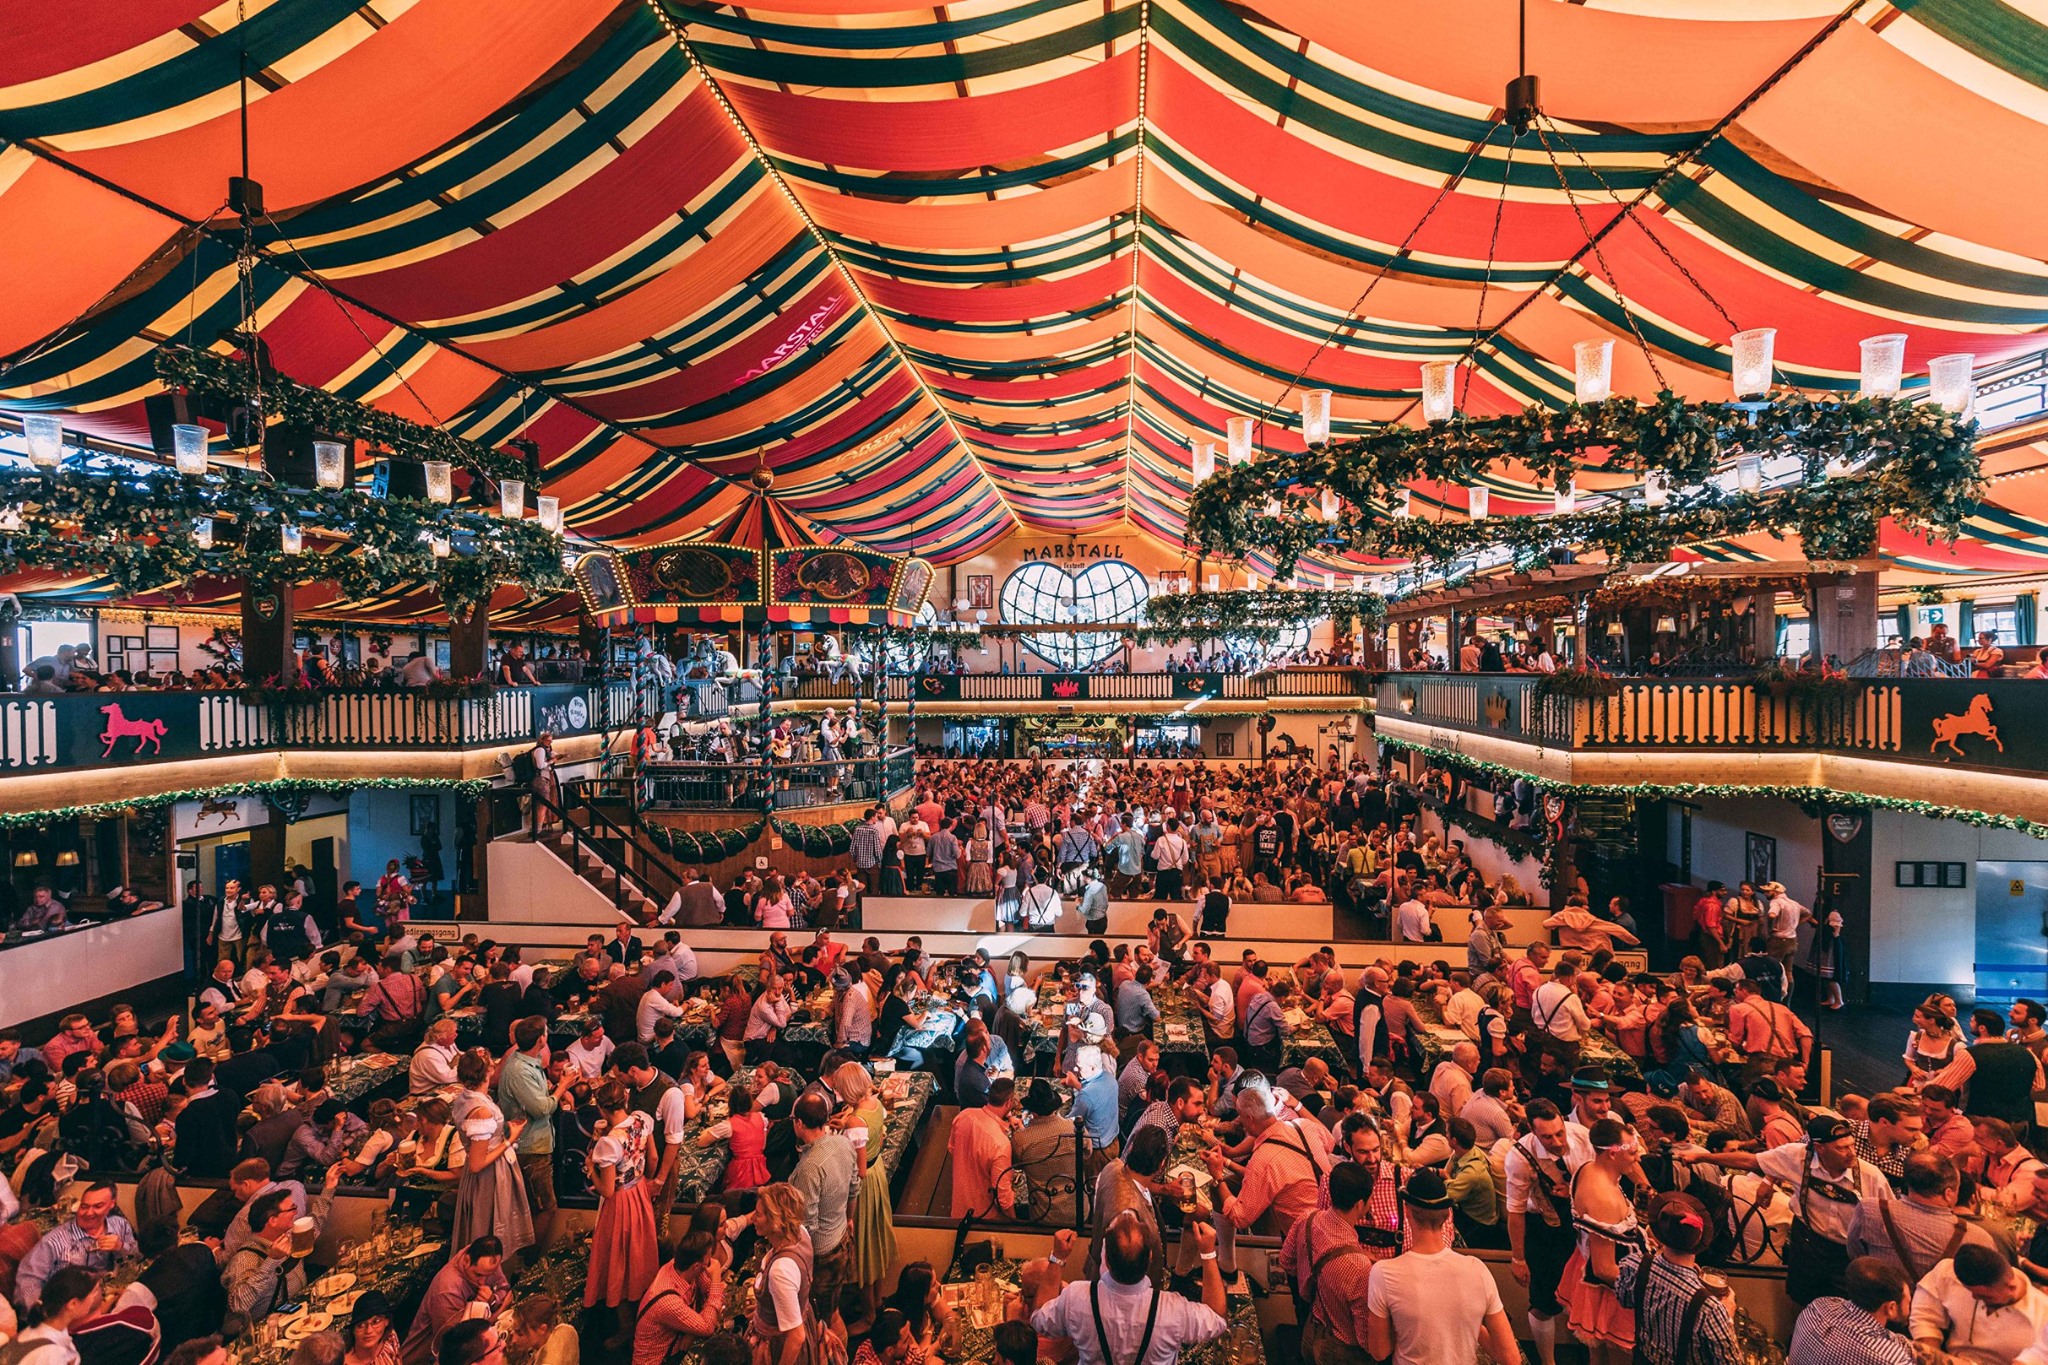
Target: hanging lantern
(1315, 417)
(1475, 506)
(45, 440)
(1749, 472)
(1656, 488)
(327, 461)
(1952, 381)
(1358, 582)
(1667, 624)
(549, 509)
(1203, 464)
(1239, 433)
(1404, 506)
(1439, 390)
(1592, 371)
(291, 540)
(512, 499)
(202, 532)
(438, 544)
(1329, 581)
(1616, 630)
(1884, 365)
(1251, 582)
(440, 481)
(1214, 582)
(1564, 500)
(1750, 361)
(1331, 505)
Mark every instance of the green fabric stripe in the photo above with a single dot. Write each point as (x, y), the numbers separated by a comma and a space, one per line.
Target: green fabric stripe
(857, 39)
(1278, 373)
(1997, 33)
(887, 184)
(215, 64)
(1121, 299)
(991, 275)
(846, 73)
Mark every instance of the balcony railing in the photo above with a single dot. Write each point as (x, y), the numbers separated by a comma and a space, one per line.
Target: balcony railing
(1088, 687)
(1961, 722)
(108, 729)
(727, 786)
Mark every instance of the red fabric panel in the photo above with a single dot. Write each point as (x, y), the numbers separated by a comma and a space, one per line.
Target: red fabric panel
(45, 38)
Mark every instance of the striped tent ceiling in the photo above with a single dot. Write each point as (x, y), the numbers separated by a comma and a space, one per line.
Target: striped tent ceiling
(966, 269)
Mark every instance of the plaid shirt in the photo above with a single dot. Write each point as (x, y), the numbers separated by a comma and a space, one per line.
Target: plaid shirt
(865, 845)
(148, 1097)
(1668, 1290)
(1341, 1287)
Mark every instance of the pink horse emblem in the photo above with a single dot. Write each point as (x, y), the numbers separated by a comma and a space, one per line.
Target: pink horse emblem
(119, 727)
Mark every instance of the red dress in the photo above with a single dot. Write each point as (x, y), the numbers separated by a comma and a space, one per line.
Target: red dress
(748, 1167)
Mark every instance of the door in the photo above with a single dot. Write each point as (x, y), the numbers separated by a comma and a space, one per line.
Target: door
(2012, 932)
(231, 864)
(326, 883)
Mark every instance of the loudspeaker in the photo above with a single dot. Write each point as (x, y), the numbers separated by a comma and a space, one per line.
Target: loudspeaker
(288, 453)
(399, 479)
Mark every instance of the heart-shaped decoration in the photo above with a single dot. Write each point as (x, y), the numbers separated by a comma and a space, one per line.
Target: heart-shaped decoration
(1108, 591)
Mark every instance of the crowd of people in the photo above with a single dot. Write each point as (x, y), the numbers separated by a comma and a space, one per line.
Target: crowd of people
(320, 664)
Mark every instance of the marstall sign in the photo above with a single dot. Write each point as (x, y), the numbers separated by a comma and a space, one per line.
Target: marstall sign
(1071, 551)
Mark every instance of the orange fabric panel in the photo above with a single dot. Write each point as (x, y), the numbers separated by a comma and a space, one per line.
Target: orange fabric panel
(983, 223)
(426, 78)
(1597, 64)
(792, 394)
(1863, 116)
(68, 243)
(1006, 346)
(447, 383)
(741, 246)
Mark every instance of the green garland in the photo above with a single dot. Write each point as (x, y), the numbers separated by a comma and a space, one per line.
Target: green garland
(1923, 473)
(1813, 800)
(702, 846)
(471, 789)
(212, 375)
(817, 841)
(1264, 615)
(139, 531)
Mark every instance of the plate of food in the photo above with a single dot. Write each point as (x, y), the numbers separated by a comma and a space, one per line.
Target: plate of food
(423, 1249)
(300, 1328)
(341, 1305)
(330, 1285)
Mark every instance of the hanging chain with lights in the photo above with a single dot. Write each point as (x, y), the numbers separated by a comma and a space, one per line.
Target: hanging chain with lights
(1699, 464)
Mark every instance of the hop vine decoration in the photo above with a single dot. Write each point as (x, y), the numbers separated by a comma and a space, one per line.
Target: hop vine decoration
(139, 531)
(1919, 468)
(1263, 616)
(704, 845)
(278, 789)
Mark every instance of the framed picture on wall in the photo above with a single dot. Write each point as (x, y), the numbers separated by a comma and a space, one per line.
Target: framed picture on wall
(981, 592)
(1226, 744)
(160, 661)
(426, 810)
(1759, 858)
(162, 637)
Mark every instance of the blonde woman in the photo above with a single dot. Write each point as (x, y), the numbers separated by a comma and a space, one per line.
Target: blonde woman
(873, 1235)
(490, 1196)
(783, 1328)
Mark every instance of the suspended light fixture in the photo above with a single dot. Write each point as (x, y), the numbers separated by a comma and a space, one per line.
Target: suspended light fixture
(1332, 505)
(1750, 361)
(439, 545)
(1439, 390)
(1251, 582)
(1214, 582)
(440, 481)
(327, 458)
(45, 440)
(1616, 629)
(1667, 624)
(1952, 381)
(1475, 506)
(1329, 581)
(1203, 464)
(1884, 365)
(291, 540)
(1315, 417)
(1564, 500)
(1239, 432)
(1358, 582)
(1749, 472)
(1404, 506)
(202, 532)
(1656, 488)
(549, 509)
(1592, 371)
(511, 499)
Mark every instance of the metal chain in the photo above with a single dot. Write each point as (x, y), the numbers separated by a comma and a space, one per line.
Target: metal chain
(1600, 258)
(1486, 279)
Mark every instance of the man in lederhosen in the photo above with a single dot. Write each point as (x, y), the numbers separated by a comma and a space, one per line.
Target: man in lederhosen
(1540, 1167)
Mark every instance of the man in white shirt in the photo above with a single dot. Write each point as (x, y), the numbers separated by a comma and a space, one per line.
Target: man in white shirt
(1977, 1307)
(1781, 921)
(1558, 1015)
(590, 1053)
(1039, 903)
(1213, 996)
(1430, 1305)
(1412, 920)
(1107, 1318)
(1539, 1168)
(1451, 1082)
(656, 1002)
(433, 1065)
(1170, 855)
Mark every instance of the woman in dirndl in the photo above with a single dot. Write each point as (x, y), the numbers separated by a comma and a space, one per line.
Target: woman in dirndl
(782, 1327)
(979, 879)
(625, 1250)
(491, 1196)
(873, 1232)
(1609, 1239)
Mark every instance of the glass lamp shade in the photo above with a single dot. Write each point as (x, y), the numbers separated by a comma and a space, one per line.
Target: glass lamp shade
(1358, 582)
(1439, 390)
(1952, 380)
(1476, 498)
(1251, 582)
(1315, 417)
(1667, 624)
(1329, 581)
(1616, 629)
(1404, 506)
(440, 481)
(26, 858)
(1656, 488)
(1884, 365)
(549, 509)
(327, 463)
(45, 440)
(67, 857)
(1239, 433)
(1331, 505)
(1203, 461)
(202, 532)
(512, 499)
(291, 540)
(439, 545)
(1750, 361)
(1564, 499)
(1214, 583)
(1592, 371)
(1749, 472)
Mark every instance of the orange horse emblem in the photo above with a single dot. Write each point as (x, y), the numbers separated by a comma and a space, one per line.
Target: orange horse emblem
(1976, 720)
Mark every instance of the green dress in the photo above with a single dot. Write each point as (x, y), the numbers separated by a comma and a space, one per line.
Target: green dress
(874, 1230)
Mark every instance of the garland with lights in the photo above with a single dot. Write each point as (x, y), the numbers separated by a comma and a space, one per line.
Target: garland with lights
(701, 846)
(208, 374)
(140, 531)
(1813, 800)
(279, 788)
(1923, 473)
(1264, 615)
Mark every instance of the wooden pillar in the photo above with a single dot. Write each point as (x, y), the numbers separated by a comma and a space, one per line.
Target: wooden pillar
(469, 642)
(1763, 627)
(266, 853)
(1848, 858)
(267, 648)
(1844, 614)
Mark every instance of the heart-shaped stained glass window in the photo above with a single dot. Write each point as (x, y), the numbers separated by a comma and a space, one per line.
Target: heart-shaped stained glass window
(1040, 593)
